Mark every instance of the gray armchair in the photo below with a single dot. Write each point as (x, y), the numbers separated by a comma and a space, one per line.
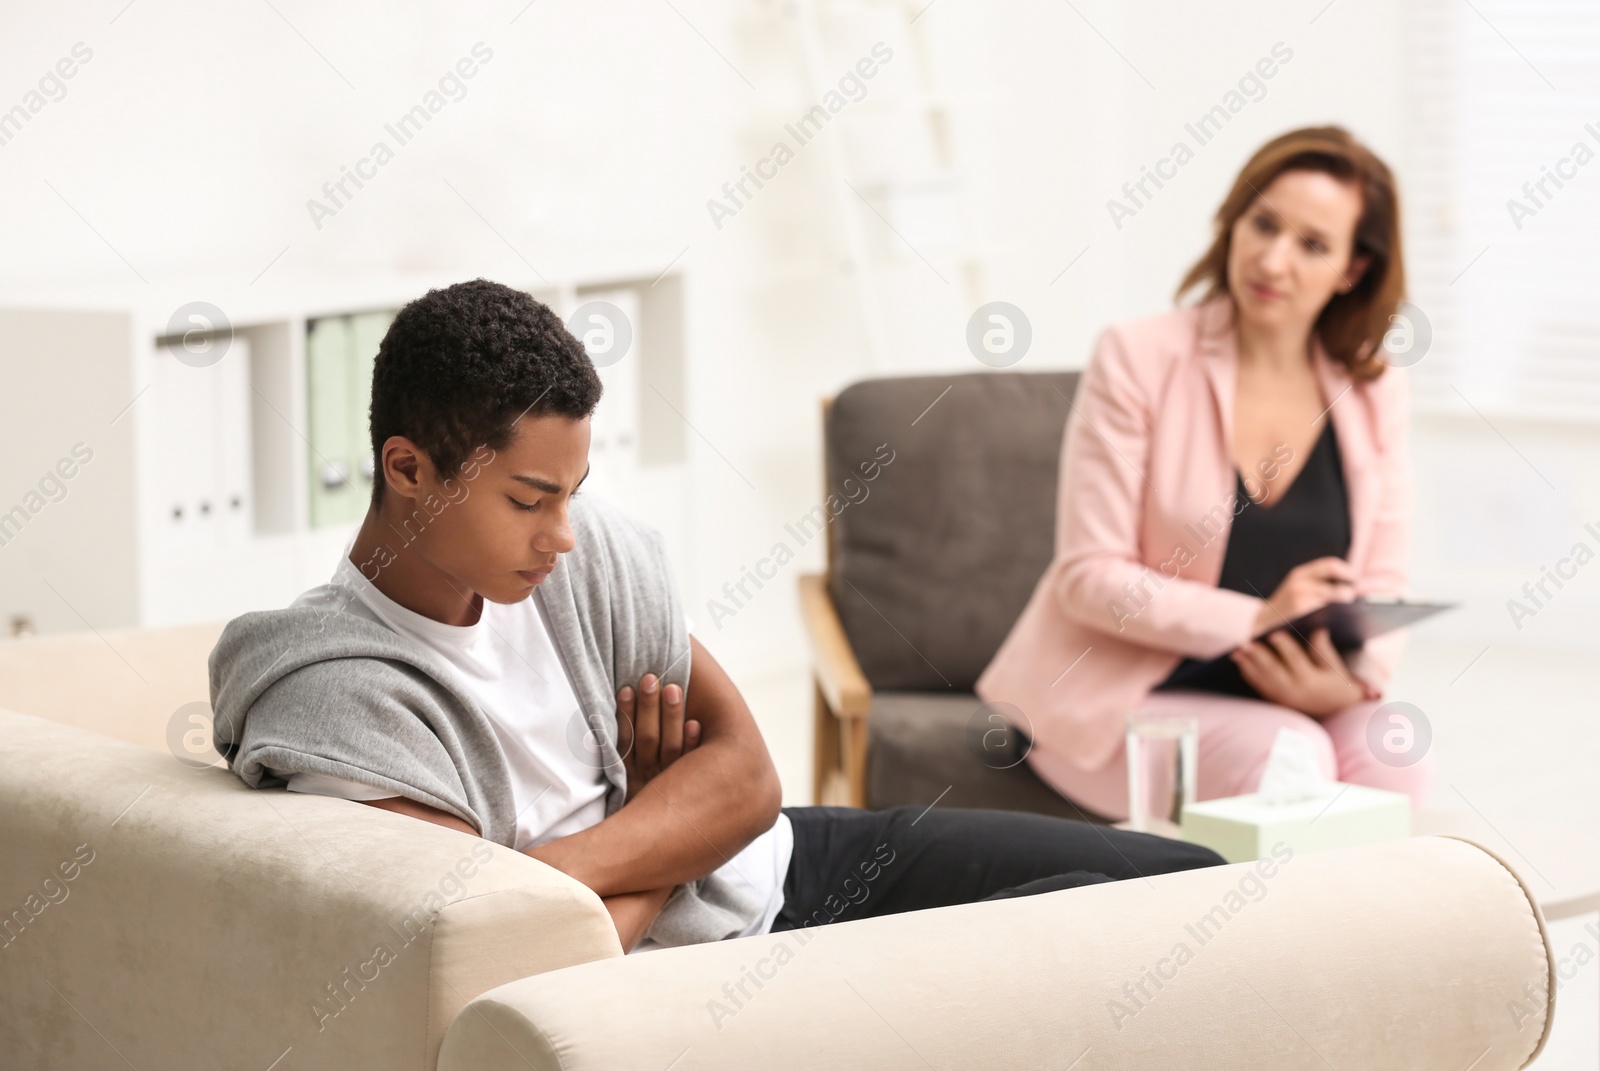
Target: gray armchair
(928, 565)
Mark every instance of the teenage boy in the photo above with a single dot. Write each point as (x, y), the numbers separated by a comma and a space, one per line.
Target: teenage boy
(499, 655)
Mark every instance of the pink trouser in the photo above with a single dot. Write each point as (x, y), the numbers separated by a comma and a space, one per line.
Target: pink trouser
(1236, 736)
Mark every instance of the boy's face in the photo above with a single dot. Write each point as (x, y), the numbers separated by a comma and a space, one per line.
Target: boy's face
(506, 522)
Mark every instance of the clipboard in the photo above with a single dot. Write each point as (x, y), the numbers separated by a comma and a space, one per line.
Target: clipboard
(1349, 625)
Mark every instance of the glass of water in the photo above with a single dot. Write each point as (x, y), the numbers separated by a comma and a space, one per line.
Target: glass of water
(1163, 755)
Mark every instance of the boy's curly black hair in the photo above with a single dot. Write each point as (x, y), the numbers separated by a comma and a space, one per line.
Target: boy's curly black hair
(460, 364)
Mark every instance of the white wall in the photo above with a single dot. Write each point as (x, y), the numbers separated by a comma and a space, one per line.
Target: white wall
(190, 143)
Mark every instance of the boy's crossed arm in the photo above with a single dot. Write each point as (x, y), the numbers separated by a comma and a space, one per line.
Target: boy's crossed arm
(679, 825)
(695, 814)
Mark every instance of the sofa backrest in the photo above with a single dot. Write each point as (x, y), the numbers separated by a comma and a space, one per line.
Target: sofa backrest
(184, 920)
(934, 557)
(129, 684)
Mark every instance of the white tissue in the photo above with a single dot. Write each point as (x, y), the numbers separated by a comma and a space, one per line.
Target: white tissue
(1292, 773)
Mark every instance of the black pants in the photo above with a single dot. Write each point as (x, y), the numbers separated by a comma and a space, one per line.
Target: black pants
(855, 864)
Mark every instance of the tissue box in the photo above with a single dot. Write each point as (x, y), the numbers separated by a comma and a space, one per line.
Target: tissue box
(1242, 828)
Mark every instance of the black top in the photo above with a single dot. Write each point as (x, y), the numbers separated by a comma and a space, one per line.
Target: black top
(1311, 520)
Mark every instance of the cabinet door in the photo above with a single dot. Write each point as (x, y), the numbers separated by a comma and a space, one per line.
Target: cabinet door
(197, 438)
(232, 505)
(607, 323)
(180, 438)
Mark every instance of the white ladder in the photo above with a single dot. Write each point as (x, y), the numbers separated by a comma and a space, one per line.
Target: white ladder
(848, 192)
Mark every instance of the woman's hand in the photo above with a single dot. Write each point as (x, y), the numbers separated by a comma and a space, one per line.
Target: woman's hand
(1316, 583)
(651, 731)
(1314, 681)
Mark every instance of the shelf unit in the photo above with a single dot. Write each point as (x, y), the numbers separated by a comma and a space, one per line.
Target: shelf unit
(194, 504)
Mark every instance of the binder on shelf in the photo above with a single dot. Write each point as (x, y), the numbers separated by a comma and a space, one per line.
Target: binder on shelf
(340, 351)
(328, 405)
(366, 335)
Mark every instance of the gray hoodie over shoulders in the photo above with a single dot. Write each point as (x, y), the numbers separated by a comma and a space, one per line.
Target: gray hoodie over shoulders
(305, 689)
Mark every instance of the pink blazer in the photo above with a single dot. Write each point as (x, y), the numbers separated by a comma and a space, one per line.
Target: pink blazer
(1144, 507)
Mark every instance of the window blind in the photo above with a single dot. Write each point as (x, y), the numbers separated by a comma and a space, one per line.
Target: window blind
(1501, 204)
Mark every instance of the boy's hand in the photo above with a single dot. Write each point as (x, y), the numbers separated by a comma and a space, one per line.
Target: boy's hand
(721, 798)
(652, 733)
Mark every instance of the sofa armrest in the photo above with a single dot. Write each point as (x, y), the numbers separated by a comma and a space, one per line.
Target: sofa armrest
(185, 920)
(1424, 953)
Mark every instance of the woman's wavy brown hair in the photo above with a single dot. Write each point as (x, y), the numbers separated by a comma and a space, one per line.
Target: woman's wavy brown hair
(1351, 325)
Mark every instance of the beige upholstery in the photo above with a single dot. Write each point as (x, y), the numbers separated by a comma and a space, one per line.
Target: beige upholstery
(161, 916)
(127, 684)
(1408, 955)
(210, 920)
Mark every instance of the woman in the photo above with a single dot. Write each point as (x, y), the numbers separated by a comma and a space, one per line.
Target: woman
(1227, 467)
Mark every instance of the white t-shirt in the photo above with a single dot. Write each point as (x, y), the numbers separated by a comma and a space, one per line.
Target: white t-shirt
(508, 664)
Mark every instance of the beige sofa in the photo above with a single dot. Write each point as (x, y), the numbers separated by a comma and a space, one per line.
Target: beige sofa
(157, 915)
